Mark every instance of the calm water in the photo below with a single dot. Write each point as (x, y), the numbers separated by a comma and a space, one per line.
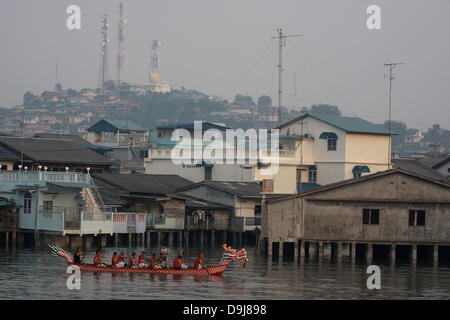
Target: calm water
(36, 274)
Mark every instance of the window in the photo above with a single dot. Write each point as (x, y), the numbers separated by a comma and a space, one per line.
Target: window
(331, 139)
(27, 203)
(47, 206)
(267, 185)
(312, 174)
(416, 217)
(4, 167)
(359, 170)
(371, 216)
(331, 144)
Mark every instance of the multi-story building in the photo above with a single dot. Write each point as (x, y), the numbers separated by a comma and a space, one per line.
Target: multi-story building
(159, 160)
(322, 149)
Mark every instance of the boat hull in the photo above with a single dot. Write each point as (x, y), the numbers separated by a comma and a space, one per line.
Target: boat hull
(213, 270)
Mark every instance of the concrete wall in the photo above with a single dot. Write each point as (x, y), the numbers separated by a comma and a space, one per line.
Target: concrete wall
(367, 148)
(336, 214)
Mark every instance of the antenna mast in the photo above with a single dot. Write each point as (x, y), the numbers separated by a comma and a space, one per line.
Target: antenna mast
(281, 43)
(391, 67)
(120, 47)
(104, 53)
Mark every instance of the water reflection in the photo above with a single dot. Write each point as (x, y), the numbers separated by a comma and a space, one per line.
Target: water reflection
(35, 274)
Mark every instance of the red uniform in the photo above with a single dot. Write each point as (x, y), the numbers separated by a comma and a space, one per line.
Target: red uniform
(97, 261)
(177, 263)
(141, 259)
(132, 262)
(198, 262)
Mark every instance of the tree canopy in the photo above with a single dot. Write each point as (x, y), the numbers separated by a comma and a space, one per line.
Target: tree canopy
(264, 101)
(242, 100)
(323, 109)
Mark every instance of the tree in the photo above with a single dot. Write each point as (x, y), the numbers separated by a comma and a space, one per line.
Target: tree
(324, 109)
(71, 92)
(400, 129)
(264, 101)
(58, 87)
(242, 100)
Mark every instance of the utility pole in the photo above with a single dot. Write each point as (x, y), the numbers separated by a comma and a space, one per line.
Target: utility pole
(104, 53)
(22, 127)
(120, 38)
(391, 67)
(281, 43)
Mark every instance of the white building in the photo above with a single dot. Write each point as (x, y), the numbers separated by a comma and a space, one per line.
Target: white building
(159, 160)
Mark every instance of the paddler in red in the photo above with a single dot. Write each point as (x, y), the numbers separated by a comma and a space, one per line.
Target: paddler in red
(177, 262)
(114, 259)
(121, 260)
(153, 261)
(132, 263)
(141, 260)
(98, 259)
(199, 262)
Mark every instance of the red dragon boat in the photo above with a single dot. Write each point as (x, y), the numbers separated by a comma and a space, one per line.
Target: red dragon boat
(229, 255)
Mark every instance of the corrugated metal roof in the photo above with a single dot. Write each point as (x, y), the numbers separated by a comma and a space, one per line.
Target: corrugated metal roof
(190, 125)
(53, 150)
(144, 183)
(5, 154)
(418, 167)
(348, 124)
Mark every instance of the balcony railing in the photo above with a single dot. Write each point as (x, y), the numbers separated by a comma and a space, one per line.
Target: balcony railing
(72, 220)
(47, 176)
(125, 222)
(252, 223)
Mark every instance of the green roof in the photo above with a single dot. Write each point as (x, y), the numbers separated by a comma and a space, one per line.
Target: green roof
(114, 125)
(348, 124)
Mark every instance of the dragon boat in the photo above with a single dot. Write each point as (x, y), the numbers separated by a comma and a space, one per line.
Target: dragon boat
(230, 254)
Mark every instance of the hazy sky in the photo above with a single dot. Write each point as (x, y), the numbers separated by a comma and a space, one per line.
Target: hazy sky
(224, 48)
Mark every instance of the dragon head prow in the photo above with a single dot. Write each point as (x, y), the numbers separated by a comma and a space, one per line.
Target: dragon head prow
(60, 252)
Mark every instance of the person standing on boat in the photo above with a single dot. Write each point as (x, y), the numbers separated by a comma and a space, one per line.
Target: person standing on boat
(164, 255)
(132, 263)
(98, 259)
(199, 262)
(141, 260)
(78, 256)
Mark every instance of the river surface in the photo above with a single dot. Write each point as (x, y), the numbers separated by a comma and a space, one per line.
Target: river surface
(36, 274)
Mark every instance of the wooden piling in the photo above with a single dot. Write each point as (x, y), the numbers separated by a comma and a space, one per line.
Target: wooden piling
(392, 254)
(339, 249)
(270, 248)
(302, 249)
(414, 253)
